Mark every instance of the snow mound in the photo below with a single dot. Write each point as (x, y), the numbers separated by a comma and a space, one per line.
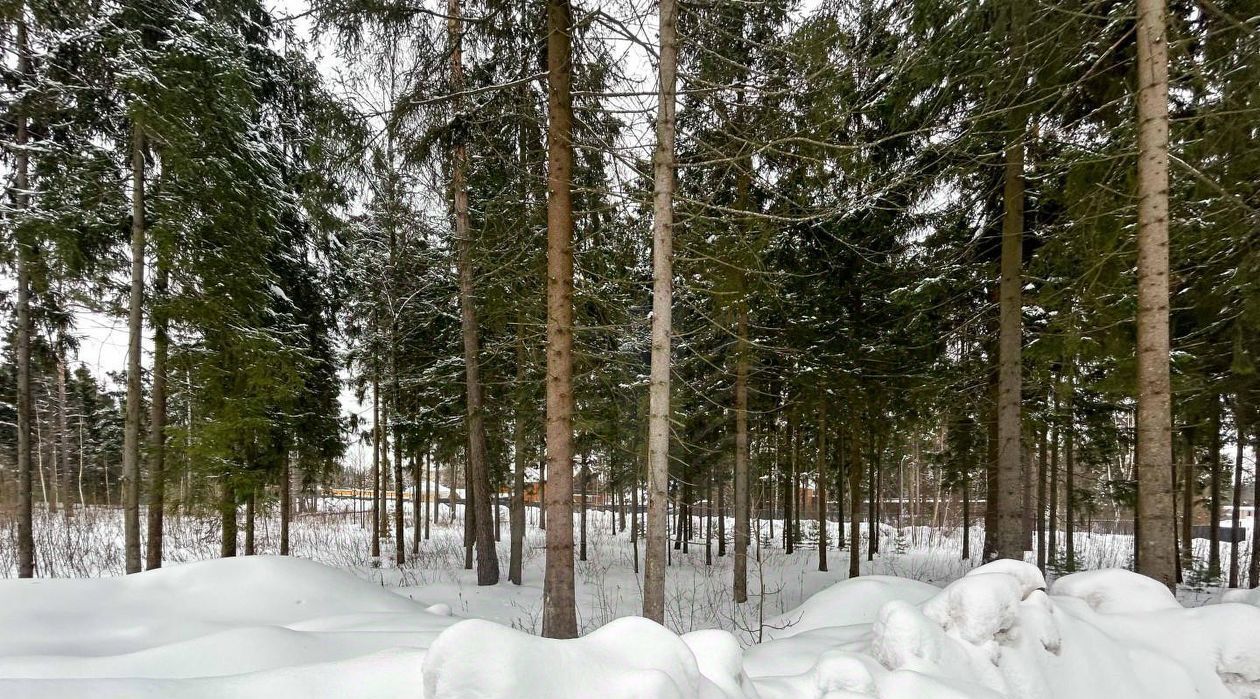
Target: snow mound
(1116, 591)
(627, 658)
(220, 628)
(1251, 596)
(848, 602)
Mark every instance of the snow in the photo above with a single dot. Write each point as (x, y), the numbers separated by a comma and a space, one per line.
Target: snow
(289, 627)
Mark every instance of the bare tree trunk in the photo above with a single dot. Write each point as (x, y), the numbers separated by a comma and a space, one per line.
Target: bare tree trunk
(966, 515)
(1156, 537)
(516, 524)
(1235, 518)
(430, 493)
(131, 428)
(1214, 483)
(721, 506)
(477, 495)
(789, 487)
(855, 502)
(1188, 487)
(157, 421)
(1069, 480)
(227, 514)
(559, 603)
(400, 527)
(822, 485)
(662, 304)
(1253, 570)
(382, 507)
(740, 492)
(634, 520)
(376, 466)
(872, 518)
(1041, 501)
(1052, 517)
(21, 196)
(286, 499)
(585, 479)
(417, 502)
(1008, 517)
(63, 436)
(250, 503)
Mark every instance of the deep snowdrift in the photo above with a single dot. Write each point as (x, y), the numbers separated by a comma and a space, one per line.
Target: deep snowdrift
(282, 627)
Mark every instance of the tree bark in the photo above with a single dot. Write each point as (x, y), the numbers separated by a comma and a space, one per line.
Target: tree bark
(822, 485)
(227, 514)
(21, 196)
(1235, 518)
(516, 524)
(559, 604)
(1009, 537)
(63, 436)
(1041, 500)
(1156, 536)
(1052, 517)
(855, 503)
(477, 496)
(1214, 482)
(376, 466)
(157, 421)
(286, 499)
(740, 493)
(250, 503)
(662, 304)
(131, 425)
(1253, 570)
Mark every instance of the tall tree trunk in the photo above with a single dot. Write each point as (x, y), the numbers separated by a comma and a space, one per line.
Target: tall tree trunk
(63, 436)
(227, 515)
(822, 485)
(251, 502)
(992, 490)
(740, 493)
(966, 514)
(477, 497)
(872, 519)
(1052, 517)
(1189, 484)
(1009, 538)
(1042, 473)
(662, 305)
(1069, 481)
(131, 425)
(1156, 537)
(789, 487)
(585, 481)
(1214, 482)
(517, 517)
(1235, 517)
(417, 502)
(559, 604)
(430, 492)
(855, 503)
(634, 522)
(157, 420)
(721, 527)
(21, 196)
(400, 528)
(376, 466)
(382, 507)
(1253, 570)
(286, 499)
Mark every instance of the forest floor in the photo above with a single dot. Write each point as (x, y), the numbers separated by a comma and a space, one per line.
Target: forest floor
(280, 627)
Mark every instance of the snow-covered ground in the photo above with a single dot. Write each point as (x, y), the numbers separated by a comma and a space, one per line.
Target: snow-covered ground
(347, 626)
